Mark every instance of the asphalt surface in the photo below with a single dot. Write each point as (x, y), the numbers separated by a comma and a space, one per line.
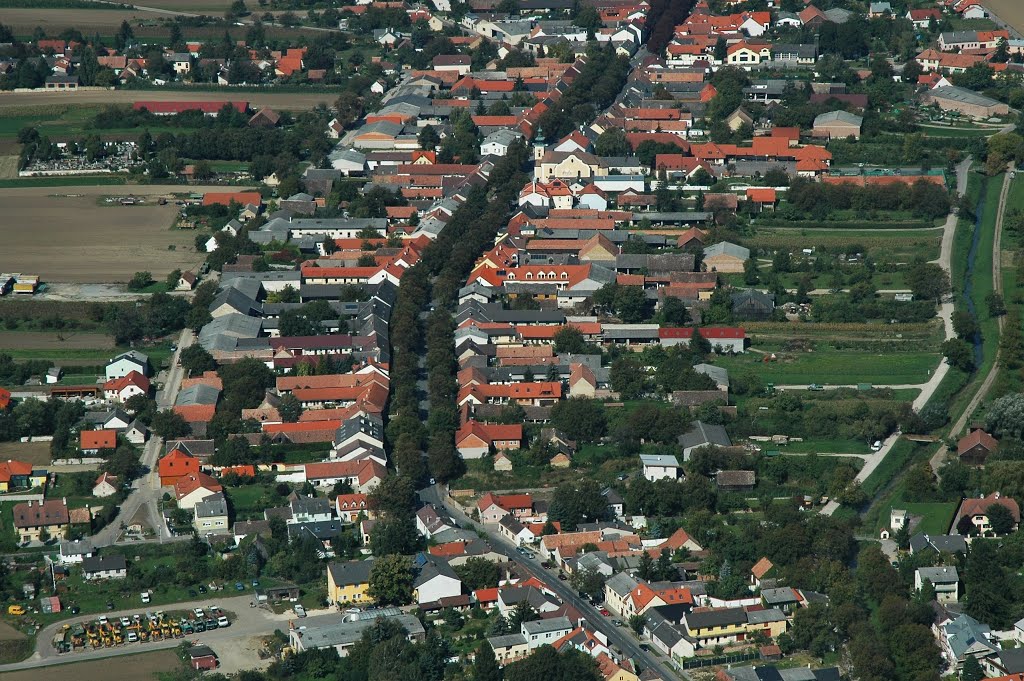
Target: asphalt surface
(146, 491)
(246, 622)
(621, 638)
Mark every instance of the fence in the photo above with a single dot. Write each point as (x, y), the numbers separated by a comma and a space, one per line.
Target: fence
(698, 662)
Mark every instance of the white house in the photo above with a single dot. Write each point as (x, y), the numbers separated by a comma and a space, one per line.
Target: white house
(76, 551)
(127, 362)
(498, 142)
(124, 388)
(545, 632)
(660, 466)
(435, 581)
(945, 580)
(106, 485)
(105, 567)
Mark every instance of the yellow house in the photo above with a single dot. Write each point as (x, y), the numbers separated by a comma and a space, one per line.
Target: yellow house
(568, 165)
(349, 582)
(611, 671)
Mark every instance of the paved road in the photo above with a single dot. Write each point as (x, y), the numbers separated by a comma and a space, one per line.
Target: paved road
(146, 490)
(622, 638)
(946, 314)
(246, 623)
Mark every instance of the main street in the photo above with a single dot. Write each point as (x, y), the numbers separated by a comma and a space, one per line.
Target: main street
(619, 637)
(145, 491)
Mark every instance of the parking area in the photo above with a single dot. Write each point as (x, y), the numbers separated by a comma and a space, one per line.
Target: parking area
(137, 628)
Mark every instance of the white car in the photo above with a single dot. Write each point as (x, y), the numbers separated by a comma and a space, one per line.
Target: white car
(222, 621)
(132, 637)
(299, 610)
(199, 612)
(126, 622)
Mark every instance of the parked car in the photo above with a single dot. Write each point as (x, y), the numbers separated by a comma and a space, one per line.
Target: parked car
(202, 589)
(223, 621)
(239, 586)
(604, 611)
(299, 610)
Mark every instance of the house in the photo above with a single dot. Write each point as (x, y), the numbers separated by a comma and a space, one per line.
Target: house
(349, 582)
(498, 142)
(975, 447)
(493, 508)
(508, 648)
(544, 632)
(735, 481)
(967, 102)
(430, 521)
(127, 362)
(176, 465)
(837, 125)
(341, 631)
(211, 515)
(92, 441)
(202, 658)
(76, 551)
(189, 490)
(128, 386)
(473, 440)
(20, 475)
(105, 486)
(35, 520)
(611, 670)
(502, 462)
(761, 198)
(725, 257)
(761, 570)
(702, 435)
(945, 580)
(515, 531)
(964, 637)
(436, 580)
(113, 566)
(939, 543)
(660, 466)
(977, 511)
(136, 433)
(738, 118)
(349, 506)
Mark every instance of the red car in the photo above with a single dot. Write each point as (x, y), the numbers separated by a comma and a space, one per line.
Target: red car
(604, 611)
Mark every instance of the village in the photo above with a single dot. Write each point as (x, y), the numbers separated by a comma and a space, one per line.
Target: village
(604, 340)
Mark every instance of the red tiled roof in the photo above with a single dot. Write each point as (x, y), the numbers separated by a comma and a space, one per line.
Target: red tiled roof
(98, 439)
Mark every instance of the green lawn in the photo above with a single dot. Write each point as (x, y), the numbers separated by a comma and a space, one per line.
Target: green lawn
(941, 131)
(67, 181)
(899, 458)
(893, 245)
(936, 517)
(838, 367)
(837, 446)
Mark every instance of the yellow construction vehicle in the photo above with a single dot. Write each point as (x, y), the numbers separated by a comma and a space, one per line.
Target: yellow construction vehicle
(16, 610)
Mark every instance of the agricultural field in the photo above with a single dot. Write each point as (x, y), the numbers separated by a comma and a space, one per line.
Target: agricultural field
(23, 21)
(141, 667)
(1010, 11)
(68, 237)
(294, 101)
(212, 7)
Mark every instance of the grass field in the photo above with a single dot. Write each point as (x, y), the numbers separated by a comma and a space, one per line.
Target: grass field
(69, 238)
(36, 453)
(882, 246)
(88, 21)
(838, 367)
(141, 667)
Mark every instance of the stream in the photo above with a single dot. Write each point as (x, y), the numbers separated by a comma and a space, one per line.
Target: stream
(968, 288)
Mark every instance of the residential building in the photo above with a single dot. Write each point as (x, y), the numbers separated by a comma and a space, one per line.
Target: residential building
(211, 515)
(38, 519)
(975, 447)
(977, 511)
(660, 466)
(945, 580)
(349, 582)
(113, 566)
(342, 631)
(545, 631)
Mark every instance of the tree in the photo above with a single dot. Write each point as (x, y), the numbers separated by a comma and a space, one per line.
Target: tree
(1006, 416)
(928, 281)
(580, 419)
(428, 138)
(478, 573)
(612, 142)
(169, 425)
(569, 340)
(972, 670)
(959, 354)
(1000, 518)
(578, 502)
(139, 281)
(964, 324)
(485, 666)
(289, 408)
(195, 359)
(636, 623)
(391, 580)
(349, 107)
